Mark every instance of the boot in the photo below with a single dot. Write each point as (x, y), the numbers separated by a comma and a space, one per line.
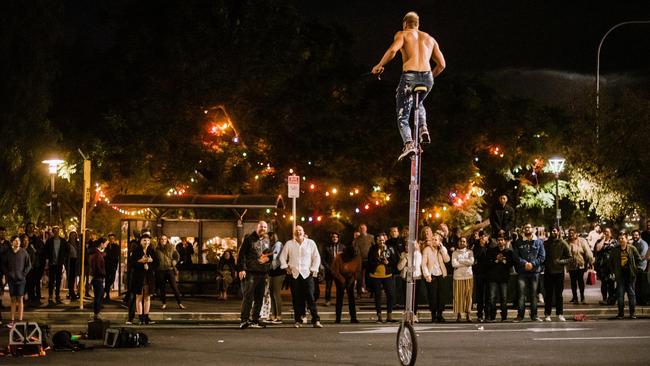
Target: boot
(379, 319)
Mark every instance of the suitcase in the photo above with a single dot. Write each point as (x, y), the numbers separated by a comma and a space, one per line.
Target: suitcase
(97, 328)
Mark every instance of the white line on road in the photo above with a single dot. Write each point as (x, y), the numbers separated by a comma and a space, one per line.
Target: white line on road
(391, 330)
(589, 338)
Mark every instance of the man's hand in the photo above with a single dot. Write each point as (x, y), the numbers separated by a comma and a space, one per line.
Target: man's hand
(242, 275)
(378, 69)
(263, 259)
(428, 278)
(528, 266)
(289, 271)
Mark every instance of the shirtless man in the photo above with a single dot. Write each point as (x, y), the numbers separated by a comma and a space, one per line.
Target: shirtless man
(416, 48)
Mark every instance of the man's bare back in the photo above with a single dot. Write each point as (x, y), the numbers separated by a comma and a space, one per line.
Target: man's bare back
(417, 48)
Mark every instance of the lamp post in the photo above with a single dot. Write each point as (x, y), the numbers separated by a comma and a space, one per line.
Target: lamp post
(53, 166)
(557, 165)
(600, 45)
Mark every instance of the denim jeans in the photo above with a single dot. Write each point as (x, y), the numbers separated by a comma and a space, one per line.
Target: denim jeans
(553, 288)
(625, 285)
(498, 293)
(404, 97)
(98, 291)
(527, 282)
(254, 286)
(387, 284)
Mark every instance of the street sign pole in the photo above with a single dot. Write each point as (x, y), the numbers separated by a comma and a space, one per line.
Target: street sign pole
(293, 193)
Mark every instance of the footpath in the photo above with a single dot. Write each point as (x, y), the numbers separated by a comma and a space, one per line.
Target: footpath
(205, 310)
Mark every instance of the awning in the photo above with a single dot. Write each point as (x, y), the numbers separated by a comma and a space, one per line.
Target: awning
(198, 201)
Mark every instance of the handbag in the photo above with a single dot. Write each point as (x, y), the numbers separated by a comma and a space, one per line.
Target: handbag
(591, 277)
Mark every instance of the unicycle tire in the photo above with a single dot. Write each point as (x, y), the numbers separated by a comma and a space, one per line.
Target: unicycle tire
(407, 345)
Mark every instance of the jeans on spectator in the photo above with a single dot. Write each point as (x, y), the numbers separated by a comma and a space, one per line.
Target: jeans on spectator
(498, 292)
(577, 277)
(302, 291)
(434, 296)
(164, 277)
(98, 290)
(481, 290)
(388, 285)
(527, 284)
(341, 289)
(626, 285)
(254, 286)
(608, 289)
(54, 276)
(553, 287)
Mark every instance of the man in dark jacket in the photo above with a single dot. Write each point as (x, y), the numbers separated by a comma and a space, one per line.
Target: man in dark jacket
(56, 254)
(97, 267)
(528, 255)
(254, 263)
(500, 265)
(332, 248)
(624, 262)
(33, 287)
(480, 272)
(502, 216)
(111, 260)
(558, 255)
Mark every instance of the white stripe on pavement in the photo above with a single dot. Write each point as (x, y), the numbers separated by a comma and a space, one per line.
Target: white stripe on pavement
(389, 330)
(589, 338)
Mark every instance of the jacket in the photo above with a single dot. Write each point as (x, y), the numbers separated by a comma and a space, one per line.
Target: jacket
(499, 270)
(462, 261)
(112, 257)
(581, 253)
(345, 271)
(97, 264)
(61, 256)
(430, 257)
(633, 260)
(501, 218)
(375, 260)
(558, 255)
(528, 251)
(251, 251)
(16, 265)
(167, 255)
(402, 266)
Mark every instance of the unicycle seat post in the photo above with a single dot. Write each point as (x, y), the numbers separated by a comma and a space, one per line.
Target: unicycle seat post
(414, 198)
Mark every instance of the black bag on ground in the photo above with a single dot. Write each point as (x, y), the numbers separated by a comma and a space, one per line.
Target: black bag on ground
(131, 338)
(97, 328)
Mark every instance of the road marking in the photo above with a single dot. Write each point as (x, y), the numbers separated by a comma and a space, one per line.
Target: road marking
(392, 330)
(589, 338)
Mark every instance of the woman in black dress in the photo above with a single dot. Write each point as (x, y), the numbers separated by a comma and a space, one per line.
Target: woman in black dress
(143, 263)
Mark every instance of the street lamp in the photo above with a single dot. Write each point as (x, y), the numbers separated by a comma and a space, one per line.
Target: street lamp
(600, 45)
(557, 165)
(53, 167)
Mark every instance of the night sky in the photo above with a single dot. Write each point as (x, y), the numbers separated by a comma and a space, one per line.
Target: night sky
(488, 35)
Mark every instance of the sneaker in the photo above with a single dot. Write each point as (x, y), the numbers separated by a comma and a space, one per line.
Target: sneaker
(547, 319)
(538, 319)
(258, 325)
(633, 316)
(354, 321)
(298, 325)
(518, 319)
(276, 321)
(147, 320)
(327, 303)
(317, 324)
(163, 306)
(243, 325)
(129, 322)
(424, 136)
(620, 316)
(415, 319)
(182, 307)
(409, 149)
(561, 318)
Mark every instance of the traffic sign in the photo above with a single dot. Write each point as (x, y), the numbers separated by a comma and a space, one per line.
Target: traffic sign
(294, 186)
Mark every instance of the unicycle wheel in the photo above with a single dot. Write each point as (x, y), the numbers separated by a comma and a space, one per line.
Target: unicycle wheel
(407, 346)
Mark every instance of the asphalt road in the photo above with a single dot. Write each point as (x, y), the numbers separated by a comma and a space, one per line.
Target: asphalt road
(604, 342)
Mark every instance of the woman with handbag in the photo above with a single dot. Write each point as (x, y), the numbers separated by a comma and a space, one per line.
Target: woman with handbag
(582, 259)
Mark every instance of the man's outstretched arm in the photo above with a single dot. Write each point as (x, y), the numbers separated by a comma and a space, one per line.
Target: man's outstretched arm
(398, 41)
(439, 59)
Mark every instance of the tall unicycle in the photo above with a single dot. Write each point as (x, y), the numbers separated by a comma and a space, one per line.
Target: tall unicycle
(407, 346)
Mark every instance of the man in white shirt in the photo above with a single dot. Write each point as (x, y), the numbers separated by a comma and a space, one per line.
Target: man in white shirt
(301, 260)
(594, 235)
